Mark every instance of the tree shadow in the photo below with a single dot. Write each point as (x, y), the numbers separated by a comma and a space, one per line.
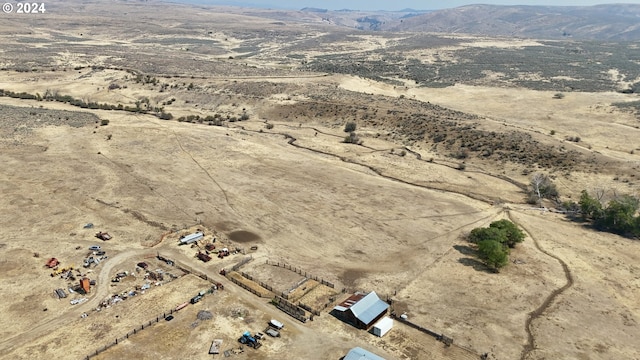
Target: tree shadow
(466, 250)
(476, 264)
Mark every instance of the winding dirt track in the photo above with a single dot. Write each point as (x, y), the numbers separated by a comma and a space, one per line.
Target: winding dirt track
(101, 292)
(530, 346)
(535, 314)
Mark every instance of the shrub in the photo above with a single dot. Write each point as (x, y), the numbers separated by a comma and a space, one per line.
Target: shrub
(352, 138)
(350, 127)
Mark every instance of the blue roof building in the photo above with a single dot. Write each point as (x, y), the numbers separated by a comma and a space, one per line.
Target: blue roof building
(358, 353)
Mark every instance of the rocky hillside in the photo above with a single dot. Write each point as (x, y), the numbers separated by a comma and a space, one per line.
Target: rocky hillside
(601, 22)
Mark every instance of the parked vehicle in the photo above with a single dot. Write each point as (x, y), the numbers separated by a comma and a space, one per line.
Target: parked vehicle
(276, 324)
(272, 332)
(94, 248)
(249, 340)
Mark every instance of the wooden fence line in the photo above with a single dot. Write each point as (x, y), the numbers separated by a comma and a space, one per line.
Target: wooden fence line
(241, 263)
(130, 333)
(266, 286)
(244, 286)
(301, 272)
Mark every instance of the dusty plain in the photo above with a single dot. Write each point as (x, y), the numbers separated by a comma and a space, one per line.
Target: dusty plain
(389, 215)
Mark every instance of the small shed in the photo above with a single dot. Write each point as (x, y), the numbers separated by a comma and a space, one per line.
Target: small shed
(85, 285)
(382, 326)
(358, 353)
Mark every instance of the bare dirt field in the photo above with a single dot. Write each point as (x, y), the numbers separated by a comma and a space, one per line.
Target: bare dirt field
(264, 166)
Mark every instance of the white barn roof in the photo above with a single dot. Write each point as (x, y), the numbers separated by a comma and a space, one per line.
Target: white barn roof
(369, 307)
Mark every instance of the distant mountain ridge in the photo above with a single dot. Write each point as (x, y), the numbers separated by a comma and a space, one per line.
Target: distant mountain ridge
(614, 22)
(599, 22)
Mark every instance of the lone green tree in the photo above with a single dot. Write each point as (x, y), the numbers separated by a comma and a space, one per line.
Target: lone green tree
(493, 253)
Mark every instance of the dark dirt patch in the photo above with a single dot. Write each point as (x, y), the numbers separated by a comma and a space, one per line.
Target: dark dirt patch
(244, 236)
(351, 276)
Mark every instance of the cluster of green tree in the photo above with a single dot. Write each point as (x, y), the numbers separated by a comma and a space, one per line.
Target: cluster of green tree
(216, 119)
(20, 95)
(618, 216)
(495, 242)
(145, 79)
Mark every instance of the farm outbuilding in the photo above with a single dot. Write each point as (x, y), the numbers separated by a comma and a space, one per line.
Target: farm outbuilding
(382, 327)
(85, 285)
(358, 353)
(191, 238)
(361, 310)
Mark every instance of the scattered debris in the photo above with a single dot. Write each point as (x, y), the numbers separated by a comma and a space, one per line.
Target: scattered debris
(104, 236)
(77, 301)
(53, 262)
(215, 347)
(204, 315)
(203, 257)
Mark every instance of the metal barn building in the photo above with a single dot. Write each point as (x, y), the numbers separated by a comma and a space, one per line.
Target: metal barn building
(191, 238)
(361, 311)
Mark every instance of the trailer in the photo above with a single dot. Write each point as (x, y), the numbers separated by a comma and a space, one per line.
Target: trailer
(276, 324)
(181, 306)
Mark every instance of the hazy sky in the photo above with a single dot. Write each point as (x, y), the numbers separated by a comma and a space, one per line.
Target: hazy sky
(400, 4)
